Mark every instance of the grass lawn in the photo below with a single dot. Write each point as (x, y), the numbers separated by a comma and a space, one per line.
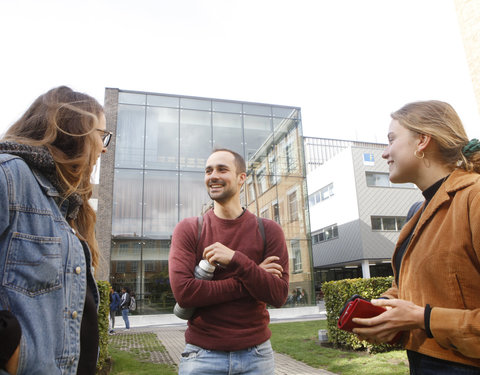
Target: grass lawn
(299, 340)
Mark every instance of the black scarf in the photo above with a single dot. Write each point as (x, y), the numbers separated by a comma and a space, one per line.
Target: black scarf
(39, 158)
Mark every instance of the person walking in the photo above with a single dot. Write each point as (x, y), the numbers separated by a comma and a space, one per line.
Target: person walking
(124, 306)
(435, 297)
(229, 328)
(114, 307)
(48, 295)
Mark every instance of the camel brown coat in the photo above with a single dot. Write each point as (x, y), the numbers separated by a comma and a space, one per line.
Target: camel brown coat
(441, 267)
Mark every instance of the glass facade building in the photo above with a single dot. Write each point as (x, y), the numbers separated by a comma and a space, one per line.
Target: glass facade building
(152, 177)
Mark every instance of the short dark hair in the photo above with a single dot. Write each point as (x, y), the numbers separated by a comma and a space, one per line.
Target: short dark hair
(239, 160)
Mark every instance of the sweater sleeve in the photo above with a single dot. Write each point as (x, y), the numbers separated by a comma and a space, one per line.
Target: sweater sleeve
(188, 291)
(259, 283)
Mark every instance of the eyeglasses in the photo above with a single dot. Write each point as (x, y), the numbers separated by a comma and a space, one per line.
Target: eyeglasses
(106, 137)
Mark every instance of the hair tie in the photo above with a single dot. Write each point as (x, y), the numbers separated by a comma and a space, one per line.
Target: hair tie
(472, 147)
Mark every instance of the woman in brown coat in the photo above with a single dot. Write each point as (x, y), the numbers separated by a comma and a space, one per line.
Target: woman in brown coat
(435, 296)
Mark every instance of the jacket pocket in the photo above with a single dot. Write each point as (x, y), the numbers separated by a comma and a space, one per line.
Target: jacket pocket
(33, 264)
(461, 296)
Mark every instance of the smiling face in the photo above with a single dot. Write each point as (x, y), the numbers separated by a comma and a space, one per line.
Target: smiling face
(402, 144)
(221, 178)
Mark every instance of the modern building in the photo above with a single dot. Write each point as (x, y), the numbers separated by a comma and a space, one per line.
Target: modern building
(152, 177)
(356, 213)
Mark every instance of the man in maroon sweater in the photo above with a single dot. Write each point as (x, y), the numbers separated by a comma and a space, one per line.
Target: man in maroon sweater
(228, 333)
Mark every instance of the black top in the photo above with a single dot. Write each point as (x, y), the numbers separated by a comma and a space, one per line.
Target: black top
(428, 194)
(10, 332)
(88, 336)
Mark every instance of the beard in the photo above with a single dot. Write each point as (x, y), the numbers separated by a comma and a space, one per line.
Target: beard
(223, 196)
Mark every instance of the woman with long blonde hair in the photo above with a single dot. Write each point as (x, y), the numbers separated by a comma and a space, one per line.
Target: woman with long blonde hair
(435, 296)
(48, 251)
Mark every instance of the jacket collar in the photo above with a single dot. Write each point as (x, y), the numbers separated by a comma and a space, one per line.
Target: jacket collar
(459, 179)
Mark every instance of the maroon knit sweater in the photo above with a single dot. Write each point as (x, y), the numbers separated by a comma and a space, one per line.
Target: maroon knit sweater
(231, 309)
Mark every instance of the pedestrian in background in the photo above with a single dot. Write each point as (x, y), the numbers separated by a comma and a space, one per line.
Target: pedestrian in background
(48, 295)
(124, 306)
(114, 307)
(435, 296)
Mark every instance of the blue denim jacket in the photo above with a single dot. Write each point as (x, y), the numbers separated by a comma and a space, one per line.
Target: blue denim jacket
(43, 270)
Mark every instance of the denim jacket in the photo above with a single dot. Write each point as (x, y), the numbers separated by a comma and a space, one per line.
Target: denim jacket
(44, 270)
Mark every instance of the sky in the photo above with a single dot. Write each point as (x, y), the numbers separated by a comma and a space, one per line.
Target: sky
(347, 63)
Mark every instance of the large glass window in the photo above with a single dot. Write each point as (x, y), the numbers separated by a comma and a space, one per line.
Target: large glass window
(227, 132)
(195, 139)
(125, 272)
(160, 204)
(156, 289)
(161, 145)
(194, 199)
(127, 203)
(130, 137)
(257, 130)
(163, 101)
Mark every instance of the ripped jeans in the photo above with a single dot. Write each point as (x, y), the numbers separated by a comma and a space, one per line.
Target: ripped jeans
(257, 360)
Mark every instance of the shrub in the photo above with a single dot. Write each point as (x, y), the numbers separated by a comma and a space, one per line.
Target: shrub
(103, 363)
(336, 294)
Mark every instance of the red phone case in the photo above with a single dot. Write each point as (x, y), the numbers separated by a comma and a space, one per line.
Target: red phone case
(358, 308)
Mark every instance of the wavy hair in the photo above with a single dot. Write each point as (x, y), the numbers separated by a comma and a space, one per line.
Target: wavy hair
(439, 120)
(64, 121)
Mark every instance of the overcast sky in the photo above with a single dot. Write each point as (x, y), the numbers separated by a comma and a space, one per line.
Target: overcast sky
(348, 64)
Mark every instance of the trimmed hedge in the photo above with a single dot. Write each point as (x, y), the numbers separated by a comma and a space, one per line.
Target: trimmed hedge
(103, 364)
(336, 294)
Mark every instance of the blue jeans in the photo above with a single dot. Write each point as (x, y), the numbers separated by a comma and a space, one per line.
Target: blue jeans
(125, 318)
(421, 364)
(257, 360)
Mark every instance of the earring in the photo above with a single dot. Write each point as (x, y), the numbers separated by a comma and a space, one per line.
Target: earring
(417, 154)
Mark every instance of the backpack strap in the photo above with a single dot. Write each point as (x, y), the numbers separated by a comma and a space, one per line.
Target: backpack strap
(199, 226)
(261, 228)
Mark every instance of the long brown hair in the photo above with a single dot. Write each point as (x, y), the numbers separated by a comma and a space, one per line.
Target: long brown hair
(440, 121)
(65, 121)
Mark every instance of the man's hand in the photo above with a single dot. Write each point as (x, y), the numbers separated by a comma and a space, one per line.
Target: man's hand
(218, 253)
(274, 268)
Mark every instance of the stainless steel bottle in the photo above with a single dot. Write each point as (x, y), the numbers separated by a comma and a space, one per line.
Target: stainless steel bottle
(203, 271)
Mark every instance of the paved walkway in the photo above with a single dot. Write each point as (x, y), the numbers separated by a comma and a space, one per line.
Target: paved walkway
(170, 331)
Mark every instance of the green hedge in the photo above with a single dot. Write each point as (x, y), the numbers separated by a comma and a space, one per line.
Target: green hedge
(336, 293)
(103, 363)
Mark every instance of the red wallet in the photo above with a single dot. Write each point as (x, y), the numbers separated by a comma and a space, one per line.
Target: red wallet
(357, 307)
